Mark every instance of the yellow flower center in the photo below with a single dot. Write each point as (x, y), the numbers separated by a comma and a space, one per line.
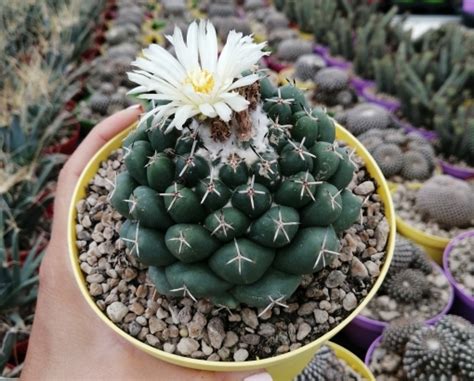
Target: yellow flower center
(201, 80)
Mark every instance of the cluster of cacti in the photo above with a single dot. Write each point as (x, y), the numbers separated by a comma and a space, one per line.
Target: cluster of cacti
(306, 66)
(325, 365)
(260, 219)
(332, 87)
(439, 352)
(174, 8)
(399, 154)
(225, 24)
(289, 50)
(406, 280)
(447, 201)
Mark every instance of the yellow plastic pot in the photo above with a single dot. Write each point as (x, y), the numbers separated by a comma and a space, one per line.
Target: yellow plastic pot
(352, 360)
(432, 244)
(282, 367)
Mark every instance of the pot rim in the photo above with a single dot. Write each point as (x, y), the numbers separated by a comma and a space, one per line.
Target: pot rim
(228, 366)
(447, 271)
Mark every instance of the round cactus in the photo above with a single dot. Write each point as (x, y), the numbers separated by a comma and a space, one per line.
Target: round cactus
(415, 166)
(330, 80)
(220, 10)
(407, 285)
(429, 354)
(275, 21)
(248, 216)
(307, 66)
(241, 205)
(366, 117)
(276, 36)
(466, 359)
(100, 103)
(324, 366)
(446, 200)
(290, 50)
(389, 158)
(397, 334)
(460, 328)
(233, 23)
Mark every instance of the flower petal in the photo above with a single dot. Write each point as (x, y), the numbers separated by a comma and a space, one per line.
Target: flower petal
(207, 110)
(235, 101)
(223, 111)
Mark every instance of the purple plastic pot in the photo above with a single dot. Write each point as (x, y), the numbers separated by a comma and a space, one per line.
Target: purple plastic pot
(427, 134)
(369, 95)
(321, 50)
(464, 301)
(337, 62)
(362, 330)
(370, 351)
(273, 64)
(360, 84)
(463, 173)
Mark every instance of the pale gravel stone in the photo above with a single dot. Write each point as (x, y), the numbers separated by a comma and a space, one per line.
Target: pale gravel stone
(241, 355)
(186, 346)
(216, 333)
(117, 311)
(303, 330)
(250, 317)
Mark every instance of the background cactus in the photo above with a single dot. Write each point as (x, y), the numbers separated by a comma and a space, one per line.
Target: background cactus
(306, 66)
(365, 117)
(331, 84)
(446, 200)
(398, 332)
(290, 50)
(408, 155)
(324, 366)
(239, 244)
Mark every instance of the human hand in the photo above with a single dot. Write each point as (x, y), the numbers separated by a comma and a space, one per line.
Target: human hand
(68, 341)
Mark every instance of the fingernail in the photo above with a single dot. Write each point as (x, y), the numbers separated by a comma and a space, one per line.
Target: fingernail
(259, 377)
(136, 106)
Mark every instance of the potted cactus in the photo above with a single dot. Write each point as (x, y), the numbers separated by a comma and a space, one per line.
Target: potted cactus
(229, 216)
(333, 362)
(415, 351)
(415, 289)
(432, 213)
(457, 265)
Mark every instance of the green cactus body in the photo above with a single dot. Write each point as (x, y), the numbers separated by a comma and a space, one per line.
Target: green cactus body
(297, 190)
(147, 207)
(312, 249)
(273, 288)
(148, 245)
(327, 162)
(160, 171)
(123, 188)
(237, 221)
(326, 208)
(241, 261)
(136, 160)
(190, 242)
(351, 206)
(276, 228)
(227, 224)
(252, 199)
(179, 201)
(295, 158)
(345, 171)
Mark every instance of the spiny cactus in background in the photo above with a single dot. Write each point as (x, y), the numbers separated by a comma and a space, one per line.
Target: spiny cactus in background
(340, 39)
(221, 10)
(446, 200)
(456, 132)
(330, 83)
(324, 366)
(277, 36)
(323, 18)
(226, 24)
(365, 117)
(408, 255)
(174, 8)
(430, 354)
(264, 213)
(290, 50)
(407, 285)
(457, 326)
(304, 14)
(253, 5)
(275, 20)
(398, 332)
(307, 66)
(408, 155)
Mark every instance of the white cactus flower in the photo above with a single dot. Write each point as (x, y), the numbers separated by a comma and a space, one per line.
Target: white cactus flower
(198, 81)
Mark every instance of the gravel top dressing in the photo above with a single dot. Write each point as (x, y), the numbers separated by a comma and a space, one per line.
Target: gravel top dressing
(120, 287)
(461, 264)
